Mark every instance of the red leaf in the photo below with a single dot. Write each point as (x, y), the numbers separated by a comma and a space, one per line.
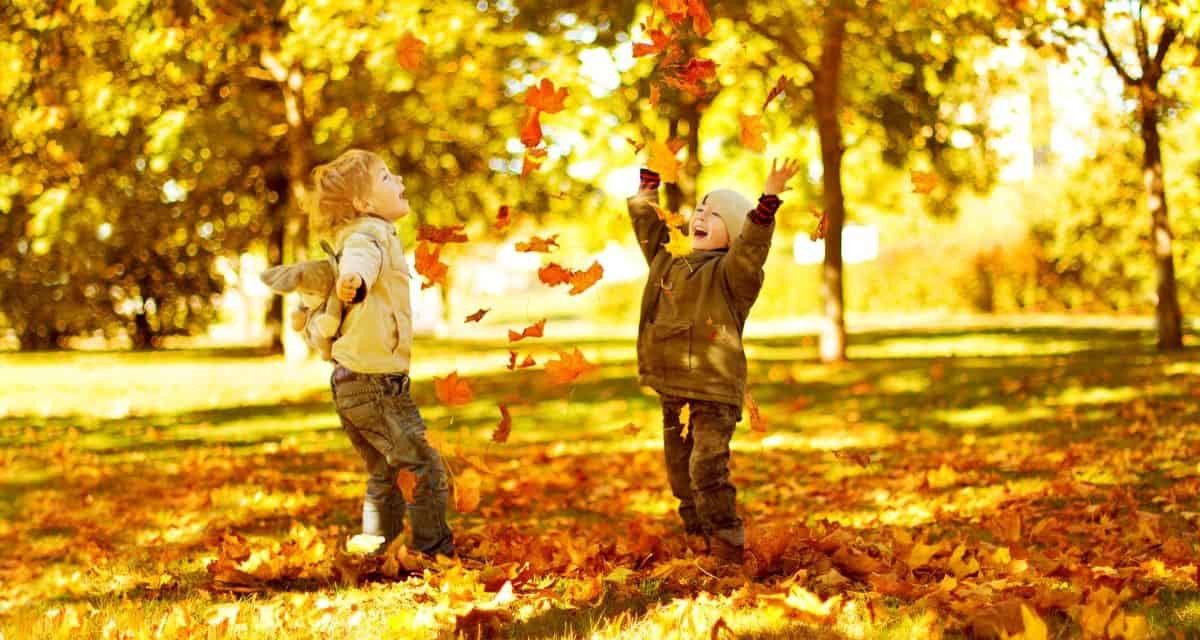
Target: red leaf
(701, 22)
(698, 69)
(531, 131)
(512, 358)
(410, 52)
(441, 235)
(503, 218)
(504, 428)
(452, 390)
(675, 10)
(544, 97)
(538, 244)
(477, 316)
(407, 481)
(658, 44)
(533, 160)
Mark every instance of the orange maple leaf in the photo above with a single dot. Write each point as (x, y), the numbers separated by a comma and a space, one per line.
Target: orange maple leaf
(453, 390)
(410, 52)
(752, 133)
(583, 280)
(758, 422)
(923, 182)
(822, 223)
(531, 131)
(477, 316)
(637, 146)
(658, 43)
(532, 331)
(569, 367)
(698, 70)
(672, 218)
(675, 10)
(701, 22)
(429, 265)
(512, 359)
(441, 235)
(655, 95)
(544, 97)
(533, 160)
(503, 218)
(538, 244)
(407, 481)
(554, 274)
(504, 428)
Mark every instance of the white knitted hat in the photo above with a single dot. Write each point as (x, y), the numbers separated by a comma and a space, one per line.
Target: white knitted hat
(732, 207)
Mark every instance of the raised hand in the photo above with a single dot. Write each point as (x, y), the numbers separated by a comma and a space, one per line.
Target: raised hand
(778, 178)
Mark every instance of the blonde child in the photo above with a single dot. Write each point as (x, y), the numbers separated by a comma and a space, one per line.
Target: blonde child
(690, 350)
(356, 201)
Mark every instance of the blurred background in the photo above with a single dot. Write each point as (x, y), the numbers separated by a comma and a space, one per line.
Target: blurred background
(1012, 161)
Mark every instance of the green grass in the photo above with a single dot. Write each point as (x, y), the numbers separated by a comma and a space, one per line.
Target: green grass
(119, 472)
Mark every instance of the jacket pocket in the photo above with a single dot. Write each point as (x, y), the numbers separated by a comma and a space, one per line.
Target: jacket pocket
(672, 346)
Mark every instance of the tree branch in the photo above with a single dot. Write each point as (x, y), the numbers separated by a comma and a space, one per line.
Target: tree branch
(1141, 39)
(1112, 57)
(1168, 36)
(790, 47)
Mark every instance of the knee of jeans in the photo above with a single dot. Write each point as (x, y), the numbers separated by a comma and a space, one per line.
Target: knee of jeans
(710, 473)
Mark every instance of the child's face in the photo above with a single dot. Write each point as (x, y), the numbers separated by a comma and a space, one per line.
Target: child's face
(708, 230)
(386, 199)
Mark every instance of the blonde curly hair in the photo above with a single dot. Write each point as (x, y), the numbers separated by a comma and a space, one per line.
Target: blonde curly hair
(335, 186)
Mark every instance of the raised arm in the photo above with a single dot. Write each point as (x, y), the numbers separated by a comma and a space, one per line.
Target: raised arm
(748, 252)
(650, 230)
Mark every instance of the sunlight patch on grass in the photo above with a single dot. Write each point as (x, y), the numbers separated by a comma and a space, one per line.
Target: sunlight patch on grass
(980, 344)
(1075, 395)
(863, 435)
(992, 415)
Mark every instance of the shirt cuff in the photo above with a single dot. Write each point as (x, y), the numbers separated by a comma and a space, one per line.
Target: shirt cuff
(650, 181)
(764, 213)
(361, 294)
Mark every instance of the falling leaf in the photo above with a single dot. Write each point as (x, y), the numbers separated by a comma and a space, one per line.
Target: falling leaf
(477, 316)
(698, 70)
(663, 162)
(860, 458)
(923, 183)
(675, 10)
(452, 390)
(569, 367)
(752, 133)
(679, 245)
(538, 244)
(533, 161)
(672, 218)
(685, 421)
(554, 274)
(631, 429)
(466, 491)
(429, 265)
(441, 235)
(532, 331)
(407, 481)
(410, 52)
(658, 44)
(531, 131)
(655, 96)
(504, 428)
(545, 98)
(780, 86)
(822, 221)
(637, 146)
(512, 360)
(583, 280)
(758, 422)
(701, 21)
(503, 218)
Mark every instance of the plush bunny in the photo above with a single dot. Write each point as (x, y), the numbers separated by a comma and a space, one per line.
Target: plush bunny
(320, 314)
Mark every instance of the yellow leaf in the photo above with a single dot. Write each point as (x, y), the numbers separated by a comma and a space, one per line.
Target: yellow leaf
(663, 162)
(1035, 627)
(959, 567)
(685, 420)
(679, 245)
(923, 182)
(672, 218)
(920, 554)
(466, 491)
(752, 133)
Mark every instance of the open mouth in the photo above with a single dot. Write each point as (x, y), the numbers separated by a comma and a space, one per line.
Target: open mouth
(700, 233)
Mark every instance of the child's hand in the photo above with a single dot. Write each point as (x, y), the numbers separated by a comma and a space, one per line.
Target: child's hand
(348, 285)
(779, 176)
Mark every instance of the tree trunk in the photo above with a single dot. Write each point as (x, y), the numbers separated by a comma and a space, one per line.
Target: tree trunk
(278, 215)
(683, 192)
(143, 333)
(1169, 317)
(295, 239)
(827, 104)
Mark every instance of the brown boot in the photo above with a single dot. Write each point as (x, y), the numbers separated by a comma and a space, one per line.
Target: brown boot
(727, 553)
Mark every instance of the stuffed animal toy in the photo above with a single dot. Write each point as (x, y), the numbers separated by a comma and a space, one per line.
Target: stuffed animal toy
(320, 314)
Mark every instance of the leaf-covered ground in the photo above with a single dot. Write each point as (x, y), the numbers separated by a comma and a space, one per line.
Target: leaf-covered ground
(1034, 482)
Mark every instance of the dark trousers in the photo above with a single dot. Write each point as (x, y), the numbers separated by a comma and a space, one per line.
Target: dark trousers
(383, 423)
(698, 467)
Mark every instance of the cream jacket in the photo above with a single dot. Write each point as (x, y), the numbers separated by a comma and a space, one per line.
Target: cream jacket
(376, 335)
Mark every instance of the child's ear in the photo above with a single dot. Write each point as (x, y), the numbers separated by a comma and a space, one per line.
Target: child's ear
(282, 279)
(360, 204)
